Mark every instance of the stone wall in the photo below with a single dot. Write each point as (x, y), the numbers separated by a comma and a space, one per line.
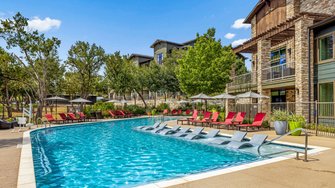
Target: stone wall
(290, 95)
(318, 6)
(301, 63)
(253, 27)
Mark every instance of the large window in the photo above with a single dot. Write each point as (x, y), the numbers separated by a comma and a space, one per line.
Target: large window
(160, 58)
(326, 99)
(326, 48)
(278, 57)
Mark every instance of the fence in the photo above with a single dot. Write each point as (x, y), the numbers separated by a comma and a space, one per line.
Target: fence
(320, 116)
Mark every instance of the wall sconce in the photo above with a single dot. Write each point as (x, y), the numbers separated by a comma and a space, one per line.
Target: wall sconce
(289, 51)
(297, 91)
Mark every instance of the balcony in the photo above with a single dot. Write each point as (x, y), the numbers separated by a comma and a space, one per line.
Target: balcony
(279, 75)
(244, 82)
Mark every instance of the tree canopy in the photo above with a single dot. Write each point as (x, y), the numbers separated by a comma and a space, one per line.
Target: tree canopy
(206, 66)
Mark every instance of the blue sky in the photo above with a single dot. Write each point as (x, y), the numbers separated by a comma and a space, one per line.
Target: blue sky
(131, 26)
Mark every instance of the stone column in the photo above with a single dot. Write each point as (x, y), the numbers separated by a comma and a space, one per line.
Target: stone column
(301, 65)
(263, 61)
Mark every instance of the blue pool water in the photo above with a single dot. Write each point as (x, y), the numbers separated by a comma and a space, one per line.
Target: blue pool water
(112, 154)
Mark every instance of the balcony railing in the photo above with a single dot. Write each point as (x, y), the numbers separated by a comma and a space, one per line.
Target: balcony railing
(277, 72)
(244, 79)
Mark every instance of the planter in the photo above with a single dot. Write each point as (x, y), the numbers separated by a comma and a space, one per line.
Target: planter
(294, 125)
(280, 127)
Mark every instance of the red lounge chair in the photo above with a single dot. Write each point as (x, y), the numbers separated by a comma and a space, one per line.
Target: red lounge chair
(73, 117)
(165, 112)
(113, 114)
(214, 118)
(51, 119)
(180, 112)
(188, 112)
(64, 117)
(194, 116)
(128, 113)
(258, 120)
(82, 116)
(120, 113)
(228, 121)
(238, 119)
(206, 118)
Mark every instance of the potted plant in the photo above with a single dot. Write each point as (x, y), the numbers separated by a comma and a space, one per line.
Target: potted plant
(296, 121)
(279, 119)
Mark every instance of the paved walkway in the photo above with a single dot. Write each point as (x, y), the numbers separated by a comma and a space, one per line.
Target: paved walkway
(318, 172)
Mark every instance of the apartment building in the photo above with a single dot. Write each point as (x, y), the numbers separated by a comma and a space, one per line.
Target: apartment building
(291, 53)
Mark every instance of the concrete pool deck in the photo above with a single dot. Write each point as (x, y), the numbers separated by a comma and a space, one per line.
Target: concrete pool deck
(318, 172)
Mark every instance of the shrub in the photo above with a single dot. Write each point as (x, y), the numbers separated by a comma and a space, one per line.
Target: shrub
(154, 112)
(161, 107)
(138, 110)
(215, 108)
(279, 115)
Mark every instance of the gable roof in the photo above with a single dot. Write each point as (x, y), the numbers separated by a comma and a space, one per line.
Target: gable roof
(257, 7)
(140, 55)
(164, 41)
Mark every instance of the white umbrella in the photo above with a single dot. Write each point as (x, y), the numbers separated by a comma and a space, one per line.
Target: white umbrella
(252, 95)
(80, 100)
(197, 101)
(224, 96)
(113, 101)
(203, 97)
(183, 101)
(123, 101)
(56, 98)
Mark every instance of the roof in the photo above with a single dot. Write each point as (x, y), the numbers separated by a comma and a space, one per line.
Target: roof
(257, 7)
(140, 55)
(330, 20)
(174, 43)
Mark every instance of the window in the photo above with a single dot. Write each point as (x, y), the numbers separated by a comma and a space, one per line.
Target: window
(326, 98)
(160, 58)
(326, 49)
(278, 57)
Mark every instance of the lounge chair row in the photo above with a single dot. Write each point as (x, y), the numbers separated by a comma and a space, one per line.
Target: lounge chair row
(120, 114)
(235, 141)
(178, 112)
(233, 120)
(69, 117)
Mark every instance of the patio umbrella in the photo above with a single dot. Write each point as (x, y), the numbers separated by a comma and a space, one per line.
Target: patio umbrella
(223, 97)
(183, 101)
(202, 96)
(251, 95)
(56, 99)
(81, 101)
(113, 101)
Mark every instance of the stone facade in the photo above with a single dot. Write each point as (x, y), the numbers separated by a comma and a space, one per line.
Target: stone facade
(301, 63)
(318, 6)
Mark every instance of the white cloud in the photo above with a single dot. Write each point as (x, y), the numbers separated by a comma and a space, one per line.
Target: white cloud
(238, 24)
(230, 35)
(238, 42)
(43, 25)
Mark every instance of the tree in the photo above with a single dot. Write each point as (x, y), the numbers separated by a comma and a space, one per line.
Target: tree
(37, 53)
(206, 66)
(85, 60)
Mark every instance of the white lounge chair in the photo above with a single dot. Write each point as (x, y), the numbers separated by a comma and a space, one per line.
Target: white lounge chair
(181, 132)
(174, 129)
(256, 140)
(211, 134)
(147, 128)
(238, 137)
(159, 128)
(196, 132)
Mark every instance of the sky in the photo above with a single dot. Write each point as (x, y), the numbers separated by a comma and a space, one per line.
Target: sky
(131, 26)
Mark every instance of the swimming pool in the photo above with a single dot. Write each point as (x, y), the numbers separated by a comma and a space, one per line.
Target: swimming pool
(112, 154)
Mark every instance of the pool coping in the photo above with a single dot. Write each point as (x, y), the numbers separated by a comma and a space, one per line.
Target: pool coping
(26, 177)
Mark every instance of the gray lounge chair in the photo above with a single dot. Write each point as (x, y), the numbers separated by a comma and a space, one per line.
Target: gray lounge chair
(196, 132)
(256, 140)
(211, 134)
(159, 128)
(147, 128)
(174, 129)
(181, 132)
(238, 137)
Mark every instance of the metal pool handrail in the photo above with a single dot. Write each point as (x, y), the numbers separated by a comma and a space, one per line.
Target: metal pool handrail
(288, 150)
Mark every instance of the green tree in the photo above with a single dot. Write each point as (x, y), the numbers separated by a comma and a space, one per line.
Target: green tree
(85, 60)
(206, 66)
(36, 53)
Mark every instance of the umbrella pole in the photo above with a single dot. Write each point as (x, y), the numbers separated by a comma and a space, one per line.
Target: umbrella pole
(56, 109)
